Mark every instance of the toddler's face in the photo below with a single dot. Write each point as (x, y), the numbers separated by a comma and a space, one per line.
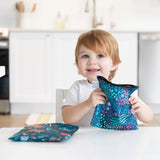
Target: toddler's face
(91, 64)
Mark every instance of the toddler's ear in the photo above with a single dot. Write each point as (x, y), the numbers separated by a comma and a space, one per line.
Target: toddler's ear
(114, 66)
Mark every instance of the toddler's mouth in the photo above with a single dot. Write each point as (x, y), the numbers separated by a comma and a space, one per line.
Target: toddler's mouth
(93, 70)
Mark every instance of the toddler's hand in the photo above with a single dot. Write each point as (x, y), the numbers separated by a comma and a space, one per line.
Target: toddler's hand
(97, 97)
(136, 103)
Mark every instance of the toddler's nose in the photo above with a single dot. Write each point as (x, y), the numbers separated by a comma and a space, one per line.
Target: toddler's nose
(91, 61)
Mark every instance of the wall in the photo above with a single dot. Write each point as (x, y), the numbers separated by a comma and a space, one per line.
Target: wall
(126, 14)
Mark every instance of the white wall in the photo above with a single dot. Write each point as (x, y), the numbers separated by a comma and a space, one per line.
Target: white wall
(127, 14)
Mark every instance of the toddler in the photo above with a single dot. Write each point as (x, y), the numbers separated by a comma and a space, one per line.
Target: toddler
(96, 53)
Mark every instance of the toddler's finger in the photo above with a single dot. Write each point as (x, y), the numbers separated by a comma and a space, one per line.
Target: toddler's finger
(137, 109)
(101, 102)
(131, 98)
(136, 105)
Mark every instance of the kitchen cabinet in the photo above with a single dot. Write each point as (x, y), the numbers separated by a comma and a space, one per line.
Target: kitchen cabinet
(128, 50)
(30, 67)
(149, 67)
(41, 62)
(65, 70)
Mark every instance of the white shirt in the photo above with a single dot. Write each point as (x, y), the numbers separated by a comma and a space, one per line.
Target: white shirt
(79, 92)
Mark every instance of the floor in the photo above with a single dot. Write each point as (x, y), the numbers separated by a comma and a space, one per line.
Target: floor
(12, 120)
(19, 120)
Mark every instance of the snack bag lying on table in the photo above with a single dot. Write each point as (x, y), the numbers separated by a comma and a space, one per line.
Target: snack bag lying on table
(47, 132)
(116, 113)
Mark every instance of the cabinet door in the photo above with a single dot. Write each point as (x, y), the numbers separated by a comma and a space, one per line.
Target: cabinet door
(30, 67)
(128, 51)
(65, 70)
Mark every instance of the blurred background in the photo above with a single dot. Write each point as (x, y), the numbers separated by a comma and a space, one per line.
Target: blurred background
(77, 14)
(46, 29)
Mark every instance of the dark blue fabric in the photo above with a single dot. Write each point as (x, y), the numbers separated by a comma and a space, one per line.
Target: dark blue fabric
(48, 132)
(116, 112)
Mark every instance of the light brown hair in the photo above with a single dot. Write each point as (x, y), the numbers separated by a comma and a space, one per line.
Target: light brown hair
(101, 42)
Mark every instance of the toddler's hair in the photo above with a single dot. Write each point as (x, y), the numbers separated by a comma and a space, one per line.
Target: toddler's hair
(101, 42)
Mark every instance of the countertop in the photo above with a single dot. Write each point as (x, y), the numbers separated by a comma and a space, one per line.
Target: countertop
(119, 30)
(86, 144)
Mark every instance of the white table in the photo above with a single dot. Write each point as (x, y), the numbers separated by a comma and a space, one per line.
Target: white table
(86, 144)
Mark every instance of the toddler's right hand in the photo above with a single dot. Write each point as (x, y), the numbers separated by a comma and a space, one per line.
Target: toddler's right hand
(97, 97)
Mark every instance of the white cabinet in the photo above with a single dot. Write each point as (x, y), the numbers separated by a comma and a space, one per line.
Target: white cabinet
(30, 67)
(64, 67)
(128, 50)
(41, 62)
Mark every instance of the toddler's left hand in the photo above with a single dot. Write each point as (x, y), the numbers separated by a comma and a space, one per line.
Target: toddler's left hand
(136, 103)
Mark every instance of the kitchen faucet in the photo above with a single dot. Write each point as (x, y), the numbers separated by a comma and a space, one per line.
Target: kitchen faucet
(94, 18)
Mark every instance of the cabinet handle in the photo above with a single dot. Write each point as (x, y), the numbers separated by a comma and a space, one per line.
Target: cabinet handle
(147, 37)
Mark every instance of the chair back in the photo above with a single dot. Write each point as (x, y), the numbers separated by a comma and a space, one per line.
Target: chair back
(60, 97)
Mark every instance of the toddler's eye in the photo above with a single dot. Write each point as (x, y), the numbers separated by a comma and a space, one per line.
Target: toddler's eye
(85, 56)
(100, 56)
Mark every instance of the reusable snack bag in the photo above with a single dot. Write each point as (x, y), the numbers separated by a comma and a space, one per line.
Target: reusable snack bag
(116, 113)
(47, 132)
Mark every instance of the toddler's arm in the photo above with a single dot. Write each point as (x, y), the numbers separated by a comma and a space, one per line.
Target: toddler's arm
(142, 111)
(72, 114)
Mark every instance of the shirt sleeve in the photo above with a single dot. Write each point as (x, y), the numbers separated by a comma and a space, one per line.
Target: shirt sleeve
(72, 96)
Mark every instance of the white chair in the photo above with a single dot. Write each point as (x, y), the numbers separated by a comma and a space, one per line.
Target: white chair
(60, 96)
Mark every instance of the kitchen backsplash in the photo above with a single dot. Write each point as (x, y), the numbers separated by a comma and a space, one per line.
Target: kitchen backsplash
(119, 14)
